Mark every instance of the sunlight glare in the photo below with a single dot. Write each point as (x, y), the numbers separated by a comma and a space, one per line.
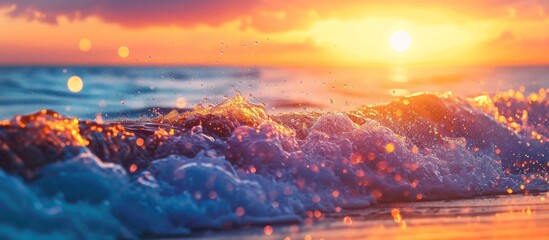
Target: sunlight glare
(400, 41)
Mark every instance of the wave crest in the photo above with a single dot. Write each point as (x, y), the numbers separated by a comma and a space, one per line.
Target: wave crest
(234, 164)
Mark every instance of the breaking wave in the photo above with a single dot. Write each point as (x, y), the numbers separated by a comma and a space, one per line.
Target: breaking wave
(236, 165)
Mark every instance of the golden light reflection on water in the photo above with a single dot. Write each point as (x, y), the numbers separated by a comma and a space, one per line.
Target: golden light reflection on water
(75, 84)
(343, 89)
(500, 217)
(399, 75)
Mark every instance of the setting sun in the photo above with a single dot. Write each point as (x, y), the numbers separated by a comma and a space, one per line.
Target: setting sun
(400, 41)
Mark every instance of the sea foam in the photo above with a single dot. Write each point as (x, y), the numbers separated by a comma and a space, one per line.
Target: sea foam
(235, 165)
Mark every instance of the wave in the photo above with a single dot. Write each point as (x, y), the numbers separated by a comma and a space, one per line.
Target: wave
(235, 164)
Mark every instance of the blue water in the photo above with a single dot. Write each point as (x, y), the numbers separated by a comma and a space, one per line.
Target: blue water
(268, 146)
(114, 92)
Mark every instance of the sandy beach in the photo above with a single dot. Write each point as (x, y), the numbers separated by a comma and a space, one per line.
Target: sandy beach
(493, 217)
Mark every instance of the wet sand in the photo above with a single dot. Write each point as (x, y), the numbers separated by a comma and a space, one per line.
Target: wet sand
(495, 217)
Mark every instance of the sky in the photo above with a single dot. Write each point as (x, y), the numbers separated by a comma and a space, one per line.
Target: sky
(273, 33)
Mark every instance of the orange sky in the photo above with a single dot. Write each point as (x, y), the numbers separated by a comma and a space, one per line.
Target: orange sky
(273, 33)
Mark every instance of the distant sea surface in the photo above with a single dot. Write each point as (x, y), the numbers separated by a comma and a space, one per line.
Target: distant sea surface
(112, 92)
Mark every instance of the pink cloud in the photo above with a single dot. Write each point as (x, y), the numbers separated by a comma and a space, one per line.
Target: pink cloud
(263, 15)
(134, 13)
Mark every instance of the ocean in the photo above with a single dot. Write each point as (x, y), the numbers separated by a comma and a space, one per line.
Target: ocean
(114, 92)
(98, 152)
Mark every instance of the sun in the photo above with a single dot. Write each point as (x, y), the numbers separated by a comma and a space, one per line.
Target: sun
(400, 41)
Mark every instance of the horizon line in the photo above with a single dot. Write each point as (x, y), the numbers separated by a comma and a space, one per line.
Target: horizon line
(184, 65)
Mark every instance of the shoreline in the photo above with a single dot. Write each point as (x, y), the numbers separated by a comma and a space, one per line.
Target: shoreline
(511, 216)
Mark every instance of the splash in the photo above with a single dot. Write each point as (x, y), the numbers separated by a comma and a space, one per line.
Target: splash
(235, 165)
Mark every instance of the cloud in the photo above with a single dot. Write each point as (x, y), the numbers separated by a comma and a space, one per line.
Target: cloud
(506, 37)
(266, 16)
(134, 13)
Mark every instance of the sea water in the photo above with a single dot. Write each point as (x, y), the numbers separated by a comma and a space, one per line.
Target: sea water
(113, 92)
(266, 146)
